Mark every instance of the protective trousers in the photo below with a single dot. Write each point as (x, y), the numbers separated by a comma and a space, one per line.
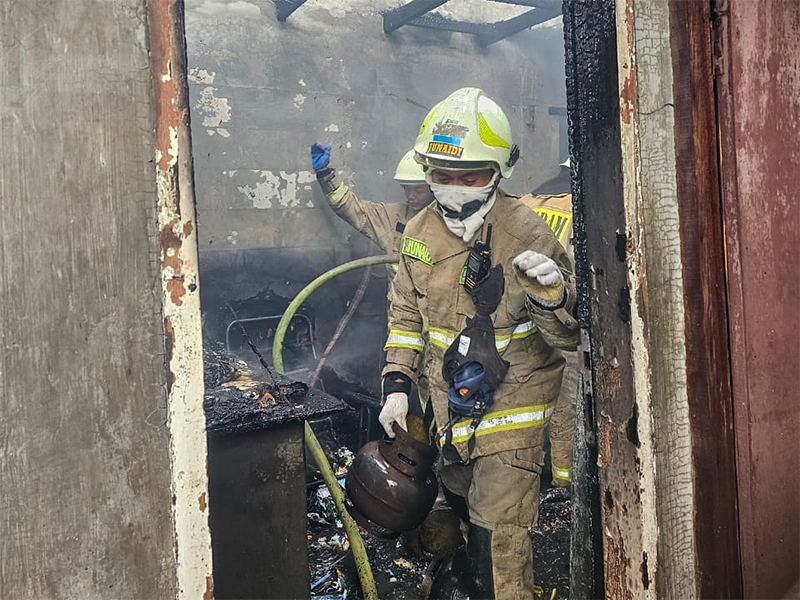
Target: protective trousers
(502, 495)
(562, 423)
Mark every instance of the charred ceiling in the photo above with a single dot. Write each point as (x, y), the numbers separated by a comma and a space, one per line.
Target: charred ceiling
(417, 13)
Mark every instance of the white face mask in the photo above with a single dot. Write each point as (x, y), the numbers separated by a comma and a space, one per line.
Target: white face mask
(454, 198)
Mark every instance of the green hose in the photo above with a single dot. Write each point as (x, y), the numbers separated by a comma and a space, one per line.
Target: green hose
(280, 332)
(350, 527)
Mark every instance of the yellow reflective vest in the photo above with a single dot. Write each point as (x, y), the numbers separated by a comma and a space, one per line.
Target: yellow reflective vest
(429, 308)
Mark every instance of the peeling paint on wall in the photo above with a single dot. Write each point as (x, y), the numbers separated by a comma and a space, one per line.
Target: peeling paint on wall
(214, 110)
(276, 189)
(199, 75)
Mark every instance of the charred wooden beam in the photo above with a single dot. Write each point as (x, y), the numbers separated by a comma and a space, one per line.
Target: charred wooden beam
(593, 115)
(503, 29)
(397, 17)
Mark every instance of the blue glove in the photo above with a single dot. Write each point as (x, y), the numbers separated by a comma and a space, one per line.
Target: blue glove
(320, 157)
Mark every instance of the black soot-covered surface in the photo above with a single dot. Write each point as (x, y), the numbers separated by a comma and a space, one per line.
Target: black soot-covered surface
(243, 396)
(398, 571)
(398, 567)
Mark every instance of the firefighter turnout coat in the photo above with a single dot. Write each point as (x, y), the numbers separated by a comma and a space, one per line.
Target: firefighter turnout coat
(381, 223)
(429, 308)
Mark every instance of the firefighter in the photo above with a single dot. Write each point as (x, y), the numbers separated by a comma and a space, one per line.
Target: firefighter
(383, 223)
(493, 464)
(553, 202)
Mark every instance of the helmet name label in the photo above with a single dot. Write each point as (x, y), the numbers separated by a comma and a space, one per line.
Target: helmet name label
(467, 126)
(416, 249)
(445, 149)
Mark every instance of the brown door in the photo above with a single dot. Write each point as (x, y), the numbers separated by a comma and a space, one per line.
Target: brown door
(758, 95)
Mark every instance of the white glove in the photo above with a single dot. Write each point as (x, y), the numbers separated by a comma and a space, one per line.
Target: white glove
(394, 410)
(539, 267)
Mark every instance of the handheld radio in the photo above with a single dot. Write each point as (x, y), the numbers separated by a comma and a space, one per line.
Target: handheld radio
(479, 261)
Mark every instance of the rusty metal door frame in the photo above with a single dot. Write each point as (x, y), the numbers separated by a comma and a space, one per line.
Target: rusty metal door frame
(177, 233)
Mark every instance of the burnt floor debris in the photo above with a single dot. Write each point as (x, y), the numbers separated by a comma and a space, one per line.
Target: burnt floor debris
(400, 564)
(247, 408)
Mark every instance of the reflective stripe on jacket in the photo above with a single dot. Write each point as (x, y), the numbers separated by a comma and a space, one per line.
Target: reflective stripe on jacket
(503, 420)
(443, 338)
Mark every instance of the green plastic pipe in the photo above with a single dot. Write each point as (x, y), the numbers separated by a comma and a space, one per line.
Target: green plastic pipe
(280, 332)
(351, 529)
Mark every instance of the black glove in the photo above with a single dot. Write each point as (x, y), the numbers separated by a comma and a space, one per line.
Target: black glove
(396, 382)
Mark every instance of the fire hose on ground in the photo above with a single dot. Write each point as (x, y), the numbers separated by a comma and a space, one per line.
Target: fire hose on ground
(350, 527)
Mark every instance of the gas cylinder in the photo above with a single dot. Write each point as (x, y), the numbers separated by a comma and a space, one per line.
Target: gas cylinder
(391, 486)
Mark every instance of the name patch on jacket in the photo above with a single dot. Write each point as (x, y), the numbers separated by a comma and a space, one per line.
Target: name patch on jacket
(416, 249)
(557, 220)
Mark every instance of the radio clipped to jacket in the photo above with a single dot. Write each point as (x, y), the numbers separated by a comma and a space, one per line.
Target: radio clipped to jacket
(479, 261)
(472, 365)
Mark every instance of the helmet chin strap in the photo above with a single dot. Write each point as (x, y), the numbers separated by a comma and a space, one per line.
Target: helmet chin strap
(469, 209)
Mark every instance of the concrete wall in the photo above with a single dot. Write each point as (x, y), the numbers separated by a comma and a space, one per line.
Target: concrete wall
(86, 501)
(263, 91)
